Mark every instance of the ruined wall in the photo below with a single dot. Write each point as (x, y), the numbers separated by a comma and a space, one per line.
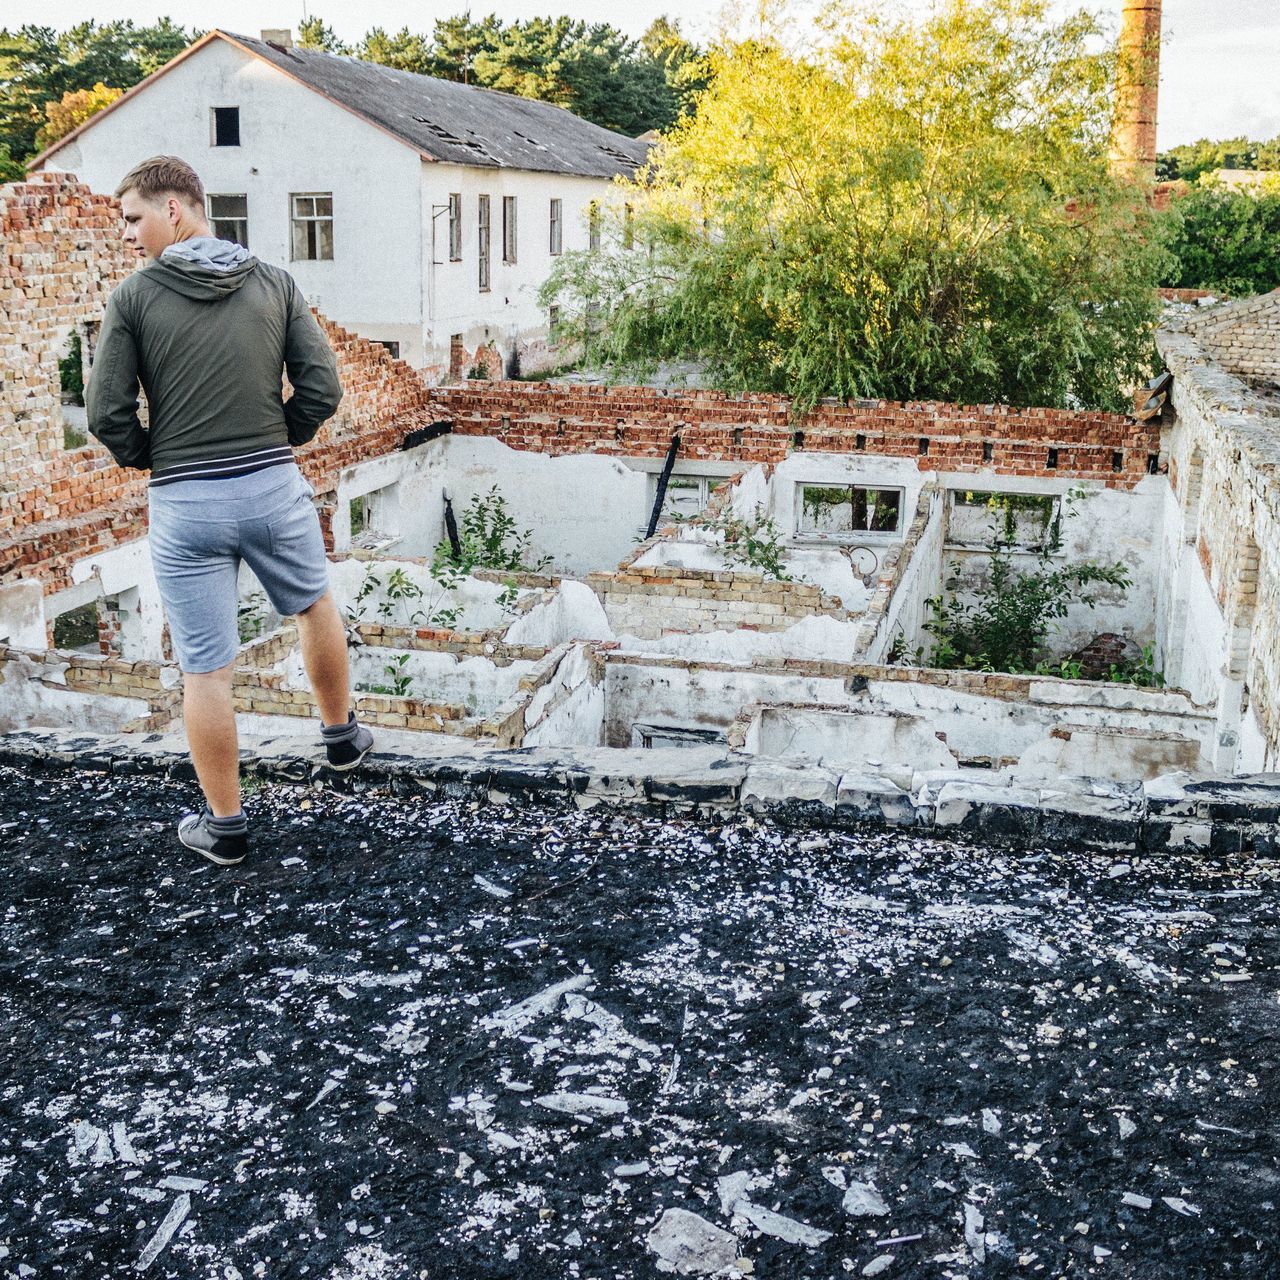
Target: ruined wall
(62, 257)
(1220, 616)
(996, 440)
(1244, 336)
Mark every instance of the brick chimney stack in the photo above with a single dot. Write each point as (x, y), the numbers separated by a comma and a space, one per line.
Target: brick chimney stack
(1133, 139)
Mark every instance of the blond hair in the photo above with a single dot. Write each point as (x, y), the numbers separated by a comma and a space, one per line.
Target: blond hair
(164, 176)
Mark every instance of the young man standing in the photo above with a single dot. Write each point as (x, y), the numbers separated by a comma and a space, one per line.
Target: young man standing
(206, 330)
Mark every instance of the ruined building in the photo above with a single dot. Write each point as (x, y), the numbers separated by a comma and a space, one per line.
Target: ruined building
(656, 667)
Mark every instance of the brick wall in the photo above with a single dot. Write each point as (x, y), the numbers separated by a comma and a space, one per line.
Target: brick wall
(1244, 337)
(752, 428)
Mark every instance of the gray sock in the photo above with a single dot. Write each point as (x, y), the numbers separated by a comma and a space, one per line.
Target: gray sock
(236, 825)
(332, 733)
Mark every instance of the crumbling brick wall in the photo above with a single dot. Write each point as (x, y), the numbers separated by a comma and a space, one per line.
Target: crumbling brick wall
(1244, 336)
(996, 440)
(62, 258)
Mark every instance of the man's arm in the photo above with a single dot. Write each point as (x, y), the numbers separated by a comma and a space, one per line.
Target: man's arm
(112, 394)
(313, 372)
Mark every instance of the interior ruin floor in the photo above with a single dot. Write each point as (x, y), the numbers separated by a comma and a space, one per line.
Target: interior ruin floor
(414, 1038)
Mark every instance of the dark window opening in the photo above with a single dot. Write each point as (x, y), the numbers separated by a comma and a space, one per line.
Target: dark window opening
(1117, 460)
(988, 451)
(226, 126)
(859, 441)
(1051, 459)
(923, 446)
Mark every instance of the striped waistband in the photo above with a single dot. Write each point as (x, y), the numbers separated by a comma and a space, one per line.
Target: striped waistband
(240, 464)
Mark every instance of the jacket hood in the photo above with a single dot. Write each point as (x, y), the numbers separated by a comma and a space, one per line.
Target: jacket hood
(191, 280)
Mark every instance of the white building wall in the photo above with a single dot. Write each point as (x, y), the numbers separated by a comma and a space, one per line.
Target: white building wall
(508, 312)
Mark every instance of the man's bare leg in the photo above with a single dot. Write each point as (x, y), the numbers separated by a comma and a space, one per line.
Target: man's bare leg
(210, 719)
(324, 654)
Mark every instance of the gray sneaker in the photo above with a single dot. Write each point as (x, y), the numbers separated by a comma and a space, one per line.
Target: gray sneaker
(346, 745)
(224, 849)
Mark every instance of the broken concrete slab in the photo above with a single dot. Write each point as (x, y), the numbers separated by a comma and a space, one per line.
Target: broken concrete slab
(691, 1244)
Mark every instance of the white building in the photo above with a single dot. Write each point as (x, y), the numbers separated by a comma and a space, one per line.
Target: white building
(417, 212)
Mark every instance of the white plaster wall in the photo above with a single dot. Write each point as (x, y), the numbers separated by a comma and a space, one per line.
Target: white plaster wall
(33, 695)
(292, 140)
(818, 638)
(851, 741)
(508, 312)
(477, 684)
(974, 725)
(476, 599)
(585, 511)
(573, 612)
(22, 622)
(918, 580)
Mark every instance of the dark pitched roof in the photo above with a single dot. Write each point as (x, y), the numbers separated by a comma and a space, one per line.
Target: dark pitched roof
(459, 123)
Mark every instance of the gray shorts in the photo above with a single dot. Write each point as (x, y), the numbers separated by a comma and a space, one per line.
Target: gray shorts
(200, 532)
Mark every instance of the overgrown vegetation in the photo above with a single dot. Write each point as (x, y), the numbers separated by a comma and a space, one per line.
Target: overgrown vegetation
(1225, 240)
(754, 541)
(919, 208)
(1007, 622)
(1194, 160)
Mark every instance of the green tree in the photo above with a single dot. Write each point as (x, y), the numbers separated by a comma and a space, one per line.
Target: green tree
(920, 209)
(458, 41)
(313, 33)
(1193, 160)
(404, 50)
(39, 65)
(684, 66)
(1225, 240)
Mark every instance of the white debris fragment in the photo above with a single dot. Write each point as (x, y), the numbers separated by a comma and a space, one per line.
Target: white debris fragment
(325, 1090)
(990, 1121)
(1184, 1207)
(515, 1017)
(973, 1232)
(637, 1170)
(1137, 1201)
(489, 887)
(962, 1149)
(124, 1147)
(862, 1199)
(176, 1216)
(590, 1105)
(733, 1187)
(692, 1245)
(878, 1265)
(780, 1226)
(175, 1183)
(1127, 1127)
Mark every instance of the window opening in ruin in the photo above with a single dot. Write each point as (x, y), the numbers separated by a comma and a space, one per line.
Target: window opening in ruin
(650, 736)
(312, 226)
(75, 422)
(593, 225)
(842, 512)
(557, 228)
(229, 218)
(508, 228)
(225, 126)
(483, 248)
(359, 511)
(686, 495)
(455, 226)
(1021, 521)
(77, 628)
(392, 348)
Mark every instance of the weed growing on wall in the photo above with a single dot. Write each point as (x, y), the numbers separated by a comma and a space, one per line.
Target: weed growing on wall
(489, 538)
(1007, 624)
(755, 543)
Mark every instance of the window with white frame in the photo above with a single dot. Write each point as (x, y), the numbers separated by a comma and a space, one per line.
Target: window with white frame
(508, 228)
(557, 228)
(847, 512)
(483, 233)
(312, 219)
(455, 226)
(229, 218)
(685, 495)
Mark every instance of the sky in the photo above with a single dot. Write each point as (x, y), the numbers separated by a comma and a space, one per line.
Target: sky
(1220, 63)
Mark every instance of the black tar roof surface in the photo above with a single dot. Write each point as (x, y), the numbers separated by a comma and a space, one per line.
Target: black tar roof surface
(459, 123)
(364, 1053)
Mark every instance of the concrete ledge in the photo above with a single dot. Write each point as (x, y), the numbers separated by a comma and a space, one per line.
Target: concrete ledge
(1171, 814)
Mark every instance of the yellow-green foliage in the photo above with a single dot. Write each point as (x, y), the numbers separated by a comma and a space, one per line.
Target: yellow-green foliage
(916, 207)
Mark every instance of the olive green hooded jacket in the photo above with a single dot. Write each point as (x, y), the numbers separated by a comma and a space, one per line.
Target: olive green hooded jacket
(208, 348)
